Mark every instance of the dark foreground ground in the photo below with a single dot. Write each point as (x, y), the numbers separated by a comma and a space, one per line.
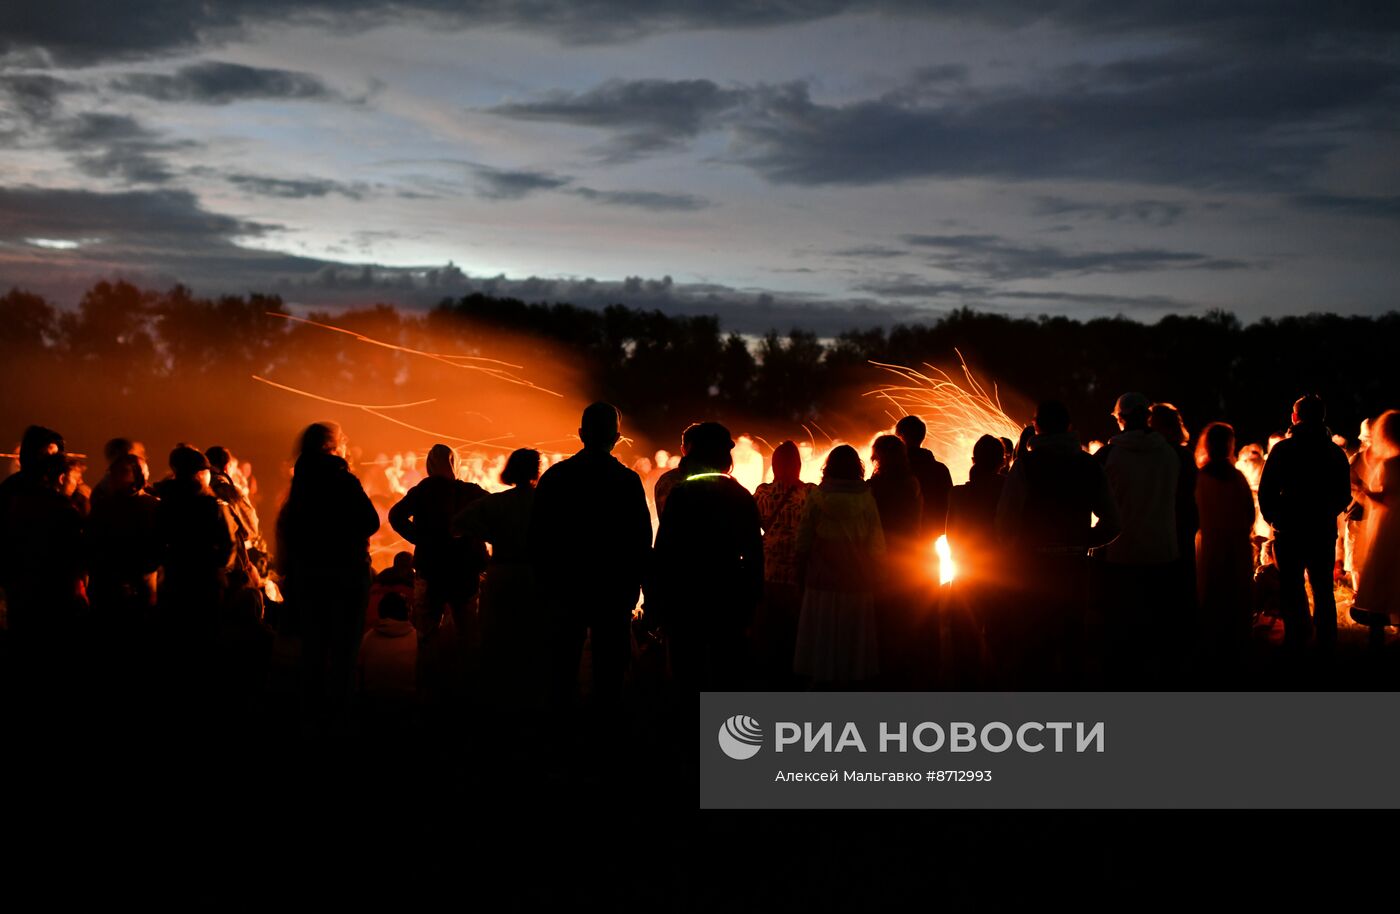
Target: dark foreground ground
(157, 794)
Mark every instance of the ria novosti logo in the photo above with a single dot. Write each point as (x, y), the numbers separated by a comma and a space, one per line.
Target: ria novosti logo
(740, 737)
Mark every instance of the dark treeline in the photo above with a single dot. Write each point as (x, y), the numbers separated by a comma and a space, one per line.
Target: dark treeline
(122, 346)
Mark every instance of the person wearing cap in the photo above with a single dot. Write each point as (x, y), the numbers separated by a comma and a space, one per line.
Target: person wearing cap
(1141, 612)
(198, 537)
(1305, 485)
(707, 576)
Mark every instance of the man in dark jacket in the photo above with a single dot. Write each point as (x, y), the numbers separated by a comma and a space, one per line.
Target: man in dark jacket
(43, 560)
(448, 567)
(935, 481)
(1306, 483)
(1044, 519)
(590, 538)
(707, 575)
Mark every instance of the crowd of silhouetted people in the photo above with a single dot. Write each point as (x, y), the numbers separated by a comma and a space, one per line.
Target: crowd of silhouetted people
(1143, 564)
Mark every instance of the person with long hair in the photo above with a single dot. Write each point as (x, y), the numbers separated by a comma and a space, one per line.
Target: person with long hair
(1378, 593)
(511, 628)
(841, 547)
(905, 585)
(323, 536)
(1223, 551)
(972, 542)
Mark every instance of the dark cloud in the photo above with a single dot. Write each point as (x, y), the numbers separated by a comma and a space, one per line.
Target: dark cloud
(138, 217)
(114, 146)
(871, 252)
(996, 298)
(994, 257)
(1263, 122)
(296, 188)
(33, 98)
(1375, 207)
(72, 33)
(217, 83)
(913, 287)
(642, 199)
(645, 116)
(513, 184)
(1159, 213)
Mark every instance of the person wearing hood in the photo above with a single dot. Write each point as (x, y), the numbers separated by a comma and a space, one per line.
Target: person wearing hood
(841, 551)
(1142, 615)
(780, 505)
(448, 567)
(1045, 522)
(323, 533)
(1306, 483)
(708, 567)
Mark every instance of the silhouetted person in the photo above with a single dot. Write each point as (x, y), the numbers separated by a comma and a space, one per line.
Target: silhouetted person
(975, 549)
(199, 549)
(1165, 419)
(780, 505)
(511, 627)
(1378, 590)
(38, 442)
(124, 550)
(1306, 483)
(1142, 611)
(904, 591)
(1045, 520)
(841, 547)
(1223, 551)
(667, 480)
(323, 536)
(896, 491)
(397, 578)
(387, 663)
(590, 536)
(448, 567)
(43, 550)
(707, 575)
(222, 467)
(112, 451)
(935, 481)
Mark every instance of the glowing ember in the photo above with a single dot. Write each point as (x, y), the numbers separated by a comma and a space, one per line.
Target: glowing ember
(947, 570)
(957, 414)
